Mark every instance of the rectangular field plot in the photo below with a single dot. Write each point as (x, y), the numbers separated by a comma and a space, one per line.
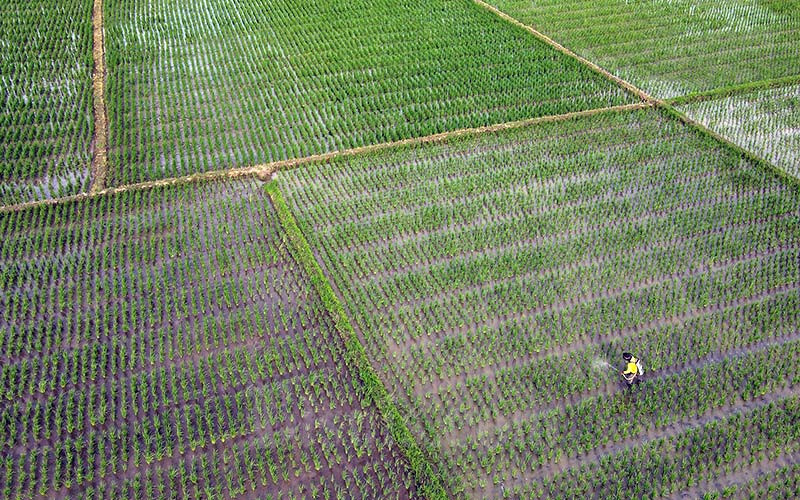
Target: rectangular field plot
(45, 98)
(766, 122)
(167, 341)
(673, 47)
(208, 84)
(491, 279)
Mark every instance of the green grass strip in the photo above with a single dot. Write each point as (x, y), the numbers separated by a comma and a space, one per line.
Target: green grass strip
(429, 480)
(723, 92)
(670, 110)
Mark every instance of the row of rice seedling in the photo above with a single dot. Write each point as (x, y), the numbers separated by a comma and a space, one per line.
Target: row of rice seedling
(519, 451)
(782, 483)
(699, 458)
(487, 275)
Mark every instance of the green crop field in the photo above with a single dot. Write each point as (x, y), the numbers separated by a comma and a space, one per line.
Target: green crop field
(174, 327)
(674, 47)
(766, 122)
(350, 249)
(488, 276)
(45, 98)
(241, 83)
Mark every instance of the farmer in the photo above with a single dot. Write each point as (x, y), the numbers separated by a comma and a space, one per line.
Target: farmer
(634, 369)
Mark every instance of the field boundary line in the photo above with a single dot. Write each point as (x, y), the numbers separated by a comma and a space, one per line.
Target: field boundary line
(733, 90)
(266, 170)
(99, 166)
(431, 484)
(564, 50)
(668, 105)
(232, 173)
(789, 179)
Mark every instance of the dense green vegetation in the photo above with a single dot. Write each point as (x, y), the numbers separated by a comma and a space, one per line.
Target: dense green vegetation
(45, 98)
(438, 318)
(209, 84)
(167, 342)
(673, 47)
(488, 277)
(766, 122)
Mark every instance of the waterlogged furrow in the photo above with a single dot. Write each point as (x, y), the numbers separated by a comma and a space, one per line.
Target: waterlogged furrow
(532, 385)
(603, 287)
(46, 123)
(522, 237)
(585, 250)
(141, 362)
(602, 424)
(465, 188)
(336, 456)
(761, 435)
(444, 217)
(783, 482)
(96, 365)
(152, 275)
(491, 343)
(358, 189)
(452, 360)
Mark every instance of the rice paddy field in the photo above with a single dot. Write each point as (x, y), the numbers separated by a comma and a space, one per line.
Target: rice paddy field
(46, 121)
(766, 122)
(396, 249)
(208, 84)
(670, 48)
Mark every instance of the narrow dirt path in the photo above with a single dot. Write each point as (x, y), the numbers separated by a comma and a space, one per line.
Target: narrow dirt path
(264, 171)
(733, 90)
(100, 156)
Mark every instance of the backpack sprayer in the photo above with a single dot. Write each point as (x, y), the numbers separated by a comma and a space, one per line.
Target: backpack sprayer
(637, 362)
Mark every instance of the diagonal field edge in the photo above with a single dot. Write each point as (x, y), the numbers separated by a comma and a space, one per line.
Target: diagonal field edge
(789, 179)
(265, 170)
(733, 90)
(430, 482)
(668, 105)
(99, 167)
(591, 65)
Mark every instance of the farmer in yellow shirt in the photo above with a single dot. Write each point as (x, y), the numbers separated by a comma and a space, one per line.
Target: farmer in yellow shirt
(634, 369)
